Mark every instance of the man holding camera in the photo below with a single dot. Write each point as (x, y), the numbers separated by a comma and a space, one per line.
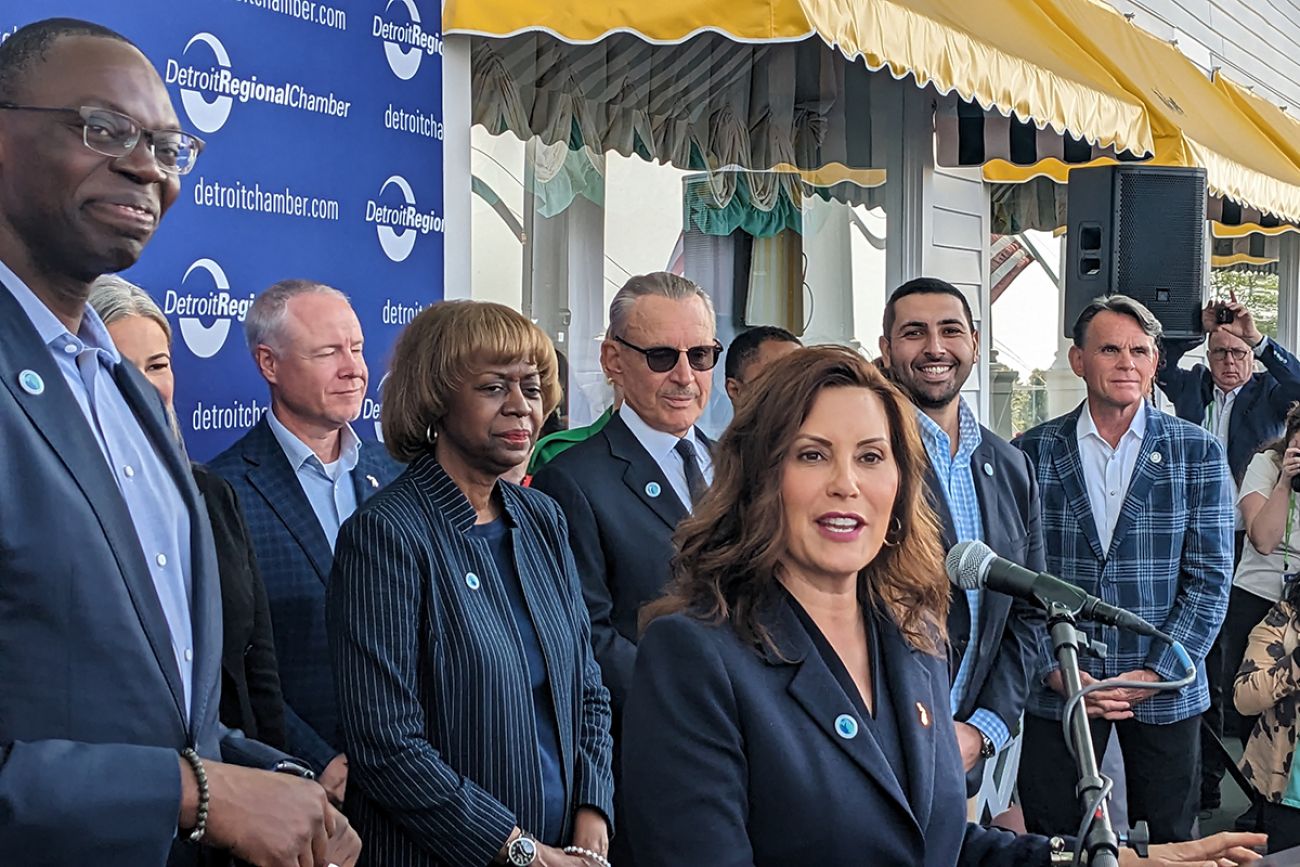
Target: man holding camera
(1244, 410)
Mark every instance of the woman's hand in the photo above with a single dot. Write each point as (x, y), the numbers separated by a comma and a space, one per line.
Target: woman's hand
(548, 857)
(591, 831)
(1290, 463)
(1224, 849)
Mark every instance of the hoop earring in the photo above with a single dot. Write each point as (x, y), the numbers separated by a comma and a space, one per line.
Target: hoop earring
(430, 435)
(896, 527)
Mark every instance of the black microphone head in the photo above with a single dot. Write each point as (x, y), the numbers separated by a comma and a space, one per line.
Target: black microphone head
(967, 564)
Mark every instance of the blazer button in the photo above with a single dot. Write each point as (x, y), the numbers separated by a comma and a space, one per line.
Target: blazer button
(471, 581)
(846, 727)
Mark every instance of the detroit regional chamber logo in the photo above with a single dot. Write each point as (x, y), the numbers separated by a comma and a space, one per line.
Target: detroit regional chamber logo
(398, 226)
(405, 42)
(204, 307)
(210, 87)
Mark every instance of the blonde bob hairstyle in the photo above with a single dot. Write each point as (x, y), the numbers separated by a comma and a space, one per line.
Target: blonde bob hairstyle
(730, 549)
(438, 351)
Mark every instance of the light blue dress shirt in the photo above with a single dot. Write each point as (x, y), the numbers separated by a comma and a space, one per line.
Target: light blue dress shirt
(958, 488)
(329, 486)
(158, 513)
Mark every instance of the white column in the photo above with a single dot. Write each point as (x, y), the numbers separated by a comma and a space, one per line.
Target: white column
(456, 114)
(1288, 290)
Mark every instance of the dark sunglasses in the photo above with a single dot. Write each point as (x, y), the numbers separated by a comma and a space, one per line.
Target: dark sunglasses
(662, 359)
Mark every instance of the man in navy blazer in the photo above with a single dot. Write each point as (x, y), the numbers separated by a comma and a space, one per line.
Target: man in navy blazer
(1137, 510)
(110, 609)
(624, 490)
(299, 473)
(1244, 410)
(982, 488)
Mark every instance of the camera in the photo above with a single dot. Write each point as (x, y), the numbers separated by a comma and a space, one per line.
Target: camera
(1224, 315)
(1295, 484)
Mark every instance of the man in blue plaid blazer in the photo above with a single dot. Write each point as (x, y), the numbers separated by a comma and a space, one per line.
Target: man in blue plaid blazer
(299, 473)
(1137, 510)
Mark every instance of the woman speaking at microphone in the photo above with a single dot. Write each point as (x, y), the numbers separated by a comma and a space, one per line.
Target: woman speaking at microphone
(790, 703)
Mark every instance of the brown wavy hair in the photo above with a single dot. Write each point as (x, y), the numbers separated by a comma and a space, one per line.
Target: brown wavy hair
(729, 551)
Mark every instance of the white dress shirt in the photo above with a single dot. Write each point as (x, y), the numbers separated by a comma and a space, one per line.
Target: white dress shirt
(1219, 413)
(661, 447)
(1107, 471)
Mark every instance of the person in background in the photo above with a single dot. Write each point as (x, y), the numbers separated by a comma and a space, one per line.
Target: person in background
(981, 488)
(790, 702)
(111, 749)
(1243, 410)
(250, 681)
(299, 473)
(470, 701)
(751, 352)
(1267, 690)
(554, 444)
(1137, 510)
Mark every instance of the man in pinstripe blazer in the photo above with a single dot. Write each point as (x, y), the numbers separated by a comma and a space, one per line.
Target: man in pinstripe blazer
(299, 473)
(1137, 509)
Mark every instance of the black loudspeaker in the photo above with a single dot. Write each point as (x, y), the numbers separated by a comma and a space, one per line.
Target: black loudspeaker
(1138, 231)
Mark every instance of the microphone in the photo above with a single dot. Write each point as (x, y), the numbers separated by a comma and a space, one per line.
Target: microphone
(972, 565)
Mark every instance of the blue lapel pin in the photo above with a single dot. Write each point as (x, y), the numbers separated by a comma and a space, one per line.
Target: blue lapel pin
(846, 727)
(1155, 457)
(988, 469)
(30, 381)
(652, 489)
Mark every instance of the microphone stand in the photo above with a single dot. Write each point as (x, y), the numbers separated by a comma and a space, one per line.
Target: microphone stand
(1100, 844)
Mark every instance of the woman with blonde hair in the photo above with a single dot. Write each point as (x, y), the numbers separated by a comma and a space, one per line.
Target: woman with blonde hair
(790, 702)
(475, 722)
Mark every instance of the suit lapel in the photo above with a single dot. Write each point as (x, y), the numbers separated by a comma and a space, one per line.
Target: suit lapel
(1069, 467)
(273, 478)
(366, 477)
(1148, 468)
(643, 475)
(55, 414)
(947, 530)
(913, 700)
(817, 691)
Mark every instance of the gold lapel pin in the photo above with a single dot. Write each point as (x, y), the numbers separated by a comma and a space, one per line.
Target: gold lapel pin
(923, 714)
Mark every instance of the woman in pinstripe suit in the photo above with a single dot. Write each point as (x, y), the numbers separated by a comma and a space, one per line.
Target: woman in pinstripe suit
(476, 725)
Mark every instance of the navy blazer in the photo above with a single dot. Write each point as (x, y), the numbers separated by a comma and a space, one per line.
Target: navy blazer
(433, 683)
(1007, 646)
(732, 758)
(91, 704)
(1258, 413)
(294, 557)
(622, 513)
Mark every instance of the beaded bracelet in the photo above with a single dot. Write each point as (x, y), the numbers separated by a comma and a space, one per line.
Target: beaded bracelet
(587, 853)
(200, 776)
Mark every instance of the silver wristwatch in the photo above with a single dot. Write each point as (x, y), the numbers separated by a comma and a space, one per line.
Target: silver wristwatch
(522, 851)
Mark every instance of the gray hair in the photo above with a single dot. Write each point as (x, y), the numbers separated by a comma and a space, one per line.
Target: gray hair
(661, 283)
(266, 317)
(113, 298)
(1123, 304)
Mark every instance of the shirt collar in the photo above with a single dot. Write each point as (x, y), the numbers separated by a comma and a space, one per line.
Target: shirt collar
(91, 335)
(936, 439)
(298, 452)
(1087, 427)
(660, 445)
(1225, 396)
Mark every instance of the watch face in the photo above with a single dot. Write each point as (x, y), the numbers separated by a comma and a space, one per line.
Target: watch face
(523, 852)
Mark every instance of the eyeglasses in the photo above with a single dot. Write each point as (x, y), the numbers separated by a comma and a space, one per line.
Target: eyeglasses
(1221, 353)
(114, 134)
(662, 359)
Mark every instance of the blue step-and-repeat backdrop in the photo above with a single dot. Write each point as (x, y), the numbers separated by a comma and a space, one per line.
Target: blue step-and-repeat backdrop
(324, 134)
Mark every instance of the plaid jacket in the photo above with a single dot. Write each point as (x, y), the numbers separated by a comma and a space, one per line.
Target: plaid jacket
(1170, 558)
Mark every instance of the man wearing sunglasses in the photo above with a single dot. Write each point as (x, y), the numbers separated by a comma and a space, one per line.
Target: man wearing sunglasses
(110, 632)
(1244, 410)
(624, 490)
